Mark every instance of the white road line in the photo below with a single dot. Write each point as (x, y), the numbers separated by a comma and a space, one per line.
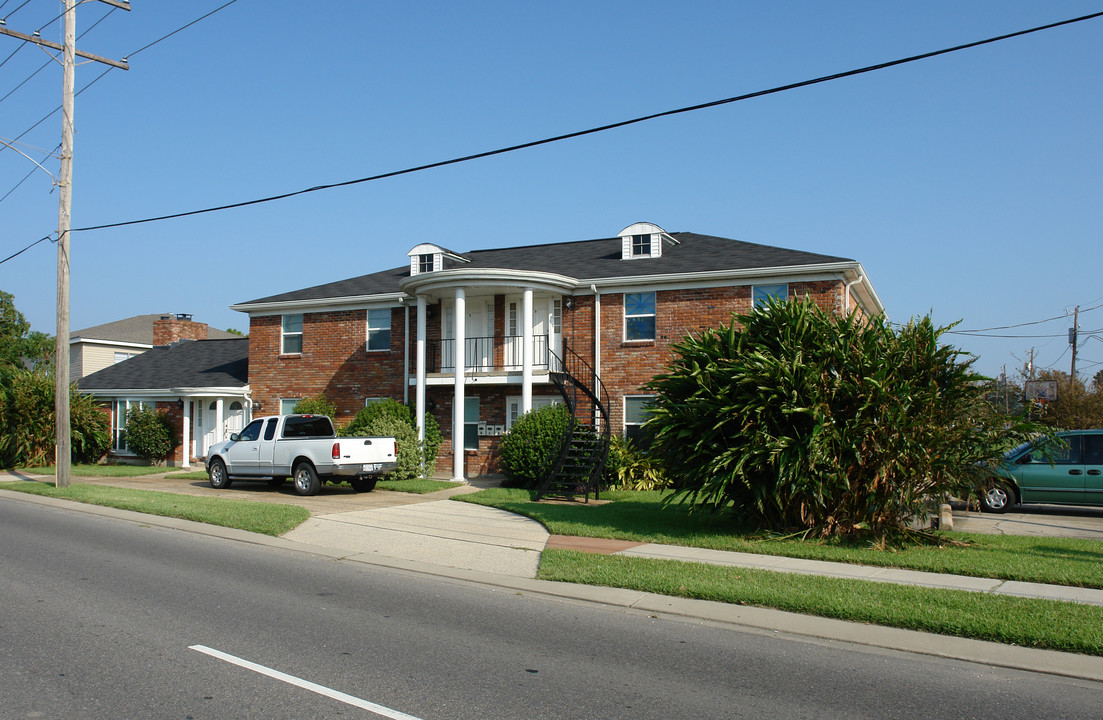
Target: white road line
(305, 684)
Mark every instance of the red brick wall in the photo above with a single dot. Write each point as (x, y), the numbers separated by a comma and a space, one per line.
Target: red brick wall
(627, 366)
(334, 361)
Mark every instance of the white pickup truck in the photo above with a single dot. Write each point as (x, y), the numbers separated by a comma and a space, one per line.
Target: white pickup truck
(304, 447)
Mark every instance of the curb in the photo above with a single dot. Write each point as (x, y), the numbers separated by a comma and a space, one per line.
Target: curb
(747, 618)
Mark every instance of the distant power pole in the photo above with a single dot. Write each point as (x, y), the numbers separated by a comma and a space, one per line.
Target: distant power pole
(1072, 340)
(63, 452)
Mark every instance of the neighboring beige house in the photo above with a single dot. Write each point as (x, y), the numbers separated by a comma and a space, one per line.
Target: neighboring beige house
(101, 346)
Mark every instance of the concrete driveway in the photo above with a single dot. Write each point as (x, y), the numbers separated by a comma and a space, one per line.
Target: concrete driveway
(1035, 520)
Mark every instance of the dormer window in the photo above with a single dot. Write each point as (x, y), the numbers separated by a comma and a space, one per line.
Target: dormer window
(643, 240)
(427, 258)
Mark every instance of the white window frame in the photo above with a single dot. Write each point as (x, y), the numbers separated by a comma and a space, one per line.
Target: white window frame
(378, 329)
(471, 424)
(654, 314)
(285, 334)
(647, 399)
(760, 294)
(513, 406)
(118, 421)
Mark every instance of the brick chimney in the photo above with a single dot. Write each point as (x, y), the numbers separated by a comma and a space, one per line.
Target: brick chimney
(167, 329)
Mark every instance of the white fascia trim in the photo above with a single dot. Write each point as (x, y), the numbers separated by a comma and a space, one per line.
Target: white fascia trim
(169, 393)
(112, 343)
(358, 302)
(428, 283)
(712, 278)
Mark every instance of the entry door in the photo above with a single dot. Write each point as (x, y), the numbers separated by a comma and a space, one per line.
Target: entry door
(478, 332)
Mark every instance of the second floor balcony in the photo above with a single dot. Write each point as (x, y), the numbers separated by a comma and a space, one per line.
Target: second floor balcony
(488, 354)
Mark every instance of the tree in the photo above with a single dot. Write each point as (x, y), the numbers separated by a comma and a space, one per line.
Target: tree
(1077, 406)
(27, 436)
(19, 345)
(836, 426)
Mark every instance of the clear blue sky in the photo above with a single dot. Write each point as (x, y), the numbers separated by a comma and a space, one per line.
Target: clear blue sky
(970, 186)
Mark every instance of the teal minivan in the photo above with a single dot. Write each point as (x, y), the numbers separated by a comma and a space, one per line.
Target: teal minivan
(1062, 473)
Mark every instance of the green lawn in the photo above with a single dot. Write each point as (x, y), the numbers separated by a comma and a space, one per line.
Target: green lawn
(641, 517)
(260, 517)
(1027, 622)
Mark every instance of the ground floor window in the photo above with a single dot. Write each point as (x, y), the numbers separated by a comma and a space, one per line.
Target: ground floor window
(287, 405)
(471, 423)
(513, 406)
(635, 415)
(119, 409)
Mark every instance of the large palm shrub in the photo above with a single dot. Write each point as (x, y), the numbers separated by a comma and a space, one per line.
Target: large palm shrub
(838, 426)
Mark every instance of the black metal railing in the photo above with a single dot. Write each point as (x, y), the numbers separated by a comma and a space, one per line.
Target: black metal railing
(487, 354)
(578, 467)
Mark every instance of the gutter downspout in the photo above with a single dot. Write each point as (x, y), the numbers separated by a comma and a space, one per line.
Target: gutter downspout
(846, 291)
(597, 333)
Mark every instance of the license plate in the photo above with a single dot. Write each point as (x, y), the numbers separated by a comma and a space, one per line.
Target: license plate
(371, 467)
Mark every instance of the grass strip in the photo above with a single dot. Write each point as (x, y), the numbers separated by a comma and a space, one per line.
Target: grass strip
(418, 486)
(1028, 622)
(642, 517)
(99, 470)
(267, 518)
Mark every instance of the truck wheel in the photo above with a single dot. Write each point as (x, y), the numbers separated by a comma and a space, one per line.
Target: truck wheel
(218, 475)
(364, 484)
(306, 479)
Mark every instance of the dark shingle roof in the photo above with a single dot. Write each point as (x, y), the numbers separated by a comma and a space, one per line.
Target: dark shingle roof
(188, 363)
(587, 259)
(137, 329)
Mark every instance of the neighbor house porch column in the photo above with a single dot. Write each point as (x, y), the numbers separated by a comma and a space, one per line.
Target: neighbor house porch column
(460, 354)
(185, 425)
(219, 420)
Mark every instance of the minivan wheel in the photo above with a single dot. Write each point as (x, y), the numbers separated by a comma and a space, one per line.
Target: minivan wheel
(997, 498)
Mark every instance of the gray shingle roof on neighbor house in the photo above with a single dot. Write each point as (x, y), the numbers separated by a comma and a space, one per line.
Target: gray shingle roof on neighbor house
(585, 260)
(185, 364)
(137, 330)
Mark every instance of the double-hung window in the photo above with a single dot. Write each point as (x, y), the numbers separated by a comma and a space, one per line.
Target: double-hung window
(379, 329)
(471, 423)
(639, 316)
(291, 335)
(635, 415)
(761, 294)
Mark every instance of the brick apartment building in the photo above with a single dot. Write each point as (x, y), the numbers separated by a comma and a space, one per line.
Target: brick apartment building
(616, 304)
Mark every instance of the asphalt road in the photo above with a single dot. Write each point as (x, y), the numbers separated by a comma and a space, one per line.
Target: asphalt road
(105, 618)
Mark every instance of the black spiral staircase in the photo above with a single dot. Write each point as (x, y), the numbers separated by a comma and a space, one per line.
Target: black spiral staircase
(578, 466)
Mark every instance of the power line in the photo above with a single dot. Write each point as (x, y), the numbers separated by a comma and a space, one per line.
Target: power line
(576, 134)
(602, 128)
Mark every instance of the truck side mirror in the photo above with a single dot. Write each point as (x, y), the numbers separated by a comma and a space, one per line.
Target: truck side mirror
(234, 437)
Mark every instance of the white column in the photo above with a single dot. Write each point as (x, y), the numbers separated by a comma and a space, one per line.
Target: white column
(186, 428)
(220, 421)
(526, 351)
(460, 354)
(420, 393)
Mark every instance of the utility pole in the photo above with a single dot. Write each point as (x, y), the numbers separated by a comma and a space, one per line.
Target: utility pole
(1072, 340)
(62, 435)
